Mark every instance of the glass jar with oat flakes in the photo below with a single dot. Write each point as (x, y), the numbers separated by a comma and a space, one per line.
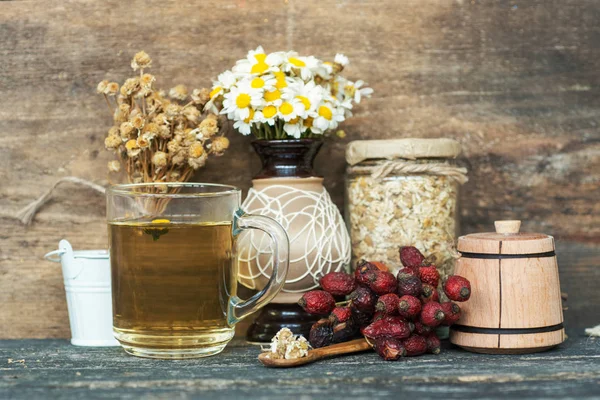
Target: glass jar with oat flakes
(403, 192)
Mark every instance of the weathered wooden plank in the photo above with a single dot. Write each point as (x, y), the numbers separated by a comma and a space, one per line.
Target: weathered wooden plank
(516, 83)
(54, 369)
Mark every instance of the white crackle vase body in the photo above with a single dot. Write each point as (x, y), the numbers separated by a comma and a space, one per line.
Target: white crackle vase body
(319, 240)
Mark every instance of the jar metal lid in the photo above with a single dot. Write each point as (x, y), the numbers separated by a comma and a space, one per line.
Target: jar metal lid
(361, 150)
(507, 240)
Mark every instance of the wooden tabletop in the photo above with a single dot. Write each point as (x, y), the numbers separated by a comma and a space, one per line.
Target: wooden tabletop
(32, 369)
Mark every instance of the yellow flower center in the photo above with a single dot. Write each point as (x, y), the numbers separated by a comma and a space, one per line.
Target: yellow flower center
(281, 83)
(243, 100)
(272, 96)
(260, 57)
(257, 83)
(269, 111)
(304, 101)
(250, 116)
(296, 62)
(131, 144)
(294, 120)
(350, 90)
(259, 68)
(215, 91)
(325, 112)
(308, 122)
(286, 108)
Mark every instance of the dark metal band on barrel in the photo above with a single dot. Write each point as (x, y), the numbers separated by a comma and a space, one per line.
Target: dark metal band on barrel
(506, 331)
(507, 256)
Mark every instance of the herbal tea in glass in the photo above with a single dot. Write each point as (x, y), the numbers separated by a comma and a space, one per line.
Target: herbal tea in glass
(174, 272)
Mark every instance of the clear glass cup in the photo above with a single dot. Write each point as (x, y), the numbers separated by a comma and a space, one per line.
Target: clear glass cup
(174, 267)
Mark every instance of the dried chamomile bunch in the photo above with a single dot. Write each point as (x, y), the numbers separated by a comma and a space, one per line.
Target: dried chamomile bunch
(288, 346)
(159, 136)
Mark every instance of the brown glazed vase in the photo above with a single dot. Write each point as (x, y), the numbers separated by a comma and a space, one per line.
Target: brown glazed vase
(288, 190)
(287, 158)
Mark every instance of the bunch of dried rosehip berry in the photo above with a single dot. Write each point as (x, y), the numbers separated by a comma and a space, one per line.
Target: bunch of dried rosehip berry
(398, 314)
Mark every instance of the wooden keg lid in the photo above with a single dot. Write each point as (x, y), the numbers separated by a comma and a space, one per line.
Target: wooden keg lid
(506, 240)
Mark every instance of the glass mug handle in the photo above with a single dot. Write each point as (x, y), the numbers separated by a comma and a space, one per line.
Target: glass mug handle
(237, 308)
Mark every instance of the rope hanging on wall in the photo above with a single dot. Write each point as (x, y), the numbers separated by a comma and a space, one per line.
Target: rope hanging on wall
(26, 214)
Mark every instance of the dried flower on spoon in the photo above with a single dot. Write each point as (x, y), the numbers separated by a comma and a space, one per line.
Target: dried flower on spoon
(286, 345)
(159, 138)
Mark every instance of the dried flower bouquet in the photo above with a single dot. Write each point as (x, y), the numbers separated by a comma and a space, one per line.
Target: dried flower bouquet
(283, 95)
(158, 137)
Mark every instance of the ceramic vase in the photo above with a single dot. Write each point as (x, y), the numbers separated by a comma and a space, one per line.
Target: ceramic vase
(288, 190)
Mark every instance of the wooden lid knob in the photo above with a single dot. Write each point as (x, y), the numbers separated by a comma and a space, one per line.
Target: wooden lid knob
(507, 227)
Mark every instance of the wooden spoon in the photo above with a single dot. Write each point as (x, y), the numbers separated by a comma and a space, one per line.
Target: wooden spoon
(353, 346)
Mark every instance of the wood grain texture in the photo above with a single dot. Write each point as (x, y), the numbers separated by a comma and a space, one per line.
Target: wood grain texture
(515, 82)
(53, 369)
(483, 307)
(530, 293)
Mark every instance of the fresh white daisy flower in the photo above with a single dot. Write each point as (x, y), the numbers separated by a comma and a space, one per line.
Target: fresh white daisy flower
(329, 116)
(307, 67)
(355, 90)
(272, 98)
(244, 126)
(341, 59)
(310, 94)
(304, 96)
(282, 80)
(291, 109)
(239, 100)
(265, 82)
(267, 115)
(256, 63)
(294, 128)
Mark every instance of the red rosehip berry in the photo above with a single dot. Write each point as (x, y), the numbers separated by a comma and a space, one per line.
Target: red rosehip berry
(429, 275)
(452, 312)
(411, 257)
(407, 271)
(383, 282)
(434, 345)
(415, 345)
(388, 304)
(409, 306)
(344, 331)
(338, 283)
(317, 302)
(409, 284)
(364, 273)
(340, 314)
(321, 334)
(421, 329)
(388, 326)
(363, 299)
(361, 319)
(389, 349)
(432, 314)
(457, 288)
(430, 293)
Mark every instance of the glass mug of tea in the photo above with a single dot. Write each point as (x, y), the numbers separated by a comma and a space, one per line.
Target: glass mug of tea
(174, 268)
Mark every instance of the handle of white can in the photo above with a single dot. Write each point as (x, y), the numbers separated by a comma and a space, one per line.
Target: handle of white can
(54, 256)
(64, 247)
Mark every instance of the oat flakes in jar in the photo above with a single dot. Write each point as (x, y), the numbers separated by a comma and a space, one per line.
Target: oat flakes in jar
(403, 192)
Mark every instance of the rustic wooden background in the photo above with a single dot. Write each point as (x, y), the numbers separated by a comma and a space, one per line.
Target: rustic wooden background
(516, 82)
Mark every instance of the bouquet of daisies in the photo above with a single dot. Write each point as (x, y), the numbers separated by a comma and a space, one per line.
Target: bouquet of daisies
(283, 95)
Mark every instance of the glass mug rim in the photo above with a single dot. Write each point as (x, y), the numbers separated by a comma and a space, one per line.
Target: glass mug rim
(218, 190)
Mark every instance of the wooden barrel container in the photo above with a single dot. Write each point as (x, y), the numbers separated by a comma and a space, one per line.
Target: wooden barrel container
(515, 305)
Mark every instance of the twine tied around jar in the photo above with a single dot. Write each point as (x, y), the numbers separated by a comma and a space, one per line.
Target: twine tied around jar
(399, 167)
